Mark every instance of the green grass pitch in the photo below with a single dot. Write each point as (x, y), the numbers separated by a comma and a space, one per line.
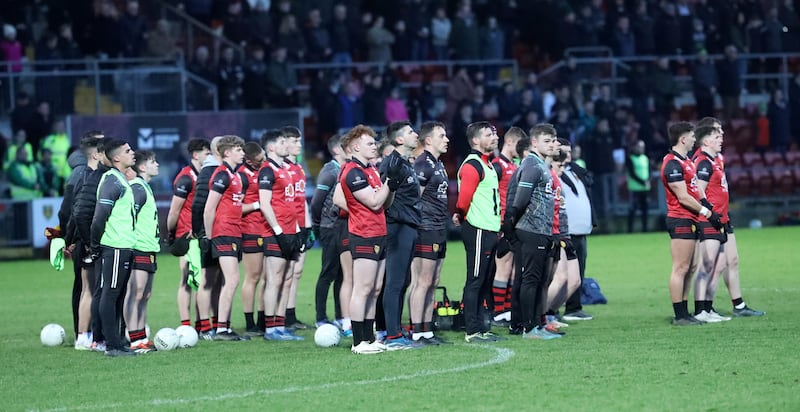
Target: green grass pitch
(627, 358)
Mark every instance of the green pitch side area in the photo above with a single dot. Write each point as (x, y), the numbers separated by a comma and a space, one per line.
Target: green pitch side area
(628, 358)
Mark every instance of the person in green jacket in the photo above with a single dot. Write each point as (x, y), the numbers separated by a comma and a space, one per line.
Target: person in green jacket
(20, 140)
(58, 143)
(23, 177)
(637, 165)
(51, 183)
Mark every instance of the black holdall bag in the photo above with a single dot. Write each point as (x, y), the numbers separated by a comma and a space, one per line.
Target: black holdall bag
(447, 314)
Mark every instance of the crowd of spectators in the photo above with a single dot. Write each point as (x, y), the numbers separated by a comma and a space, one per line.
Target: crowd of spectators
(593, 113)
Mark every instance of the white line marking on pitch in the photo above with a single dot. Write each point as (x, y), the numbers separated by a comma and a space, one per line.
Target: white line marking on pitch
(502, 355)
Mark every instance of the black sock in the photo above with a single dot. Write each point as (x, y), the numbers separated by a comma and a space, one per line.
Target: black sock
(707, 305)
(680, 310)
(685, 308)
(417, 327)
(290, 316)
(261, 319)
(358, 331)
(736, 302)
(427, 327)
(369, 334)
(699, 306)
(248, 320)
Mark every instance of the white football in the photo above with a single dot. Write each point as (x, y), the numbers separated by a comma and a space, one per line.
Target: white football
(327, 335)
(166, 339)
(187, 336)
(52, 335)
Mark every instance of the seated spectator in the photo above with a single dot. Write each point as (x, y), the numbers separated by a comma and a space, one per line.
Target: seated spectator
(50, 183)
(20, 140)
(281, 80)
(395, 107)
(161, 42)
(23, 177)
(58, 145)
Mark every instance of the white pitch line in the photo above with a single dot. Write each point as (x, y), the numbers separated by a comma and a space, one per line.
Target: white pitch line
(502, 355)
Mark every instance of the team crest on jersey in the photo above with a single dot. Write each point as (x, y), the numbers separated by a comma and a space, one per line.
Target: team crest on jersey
(289, 191)
(377, 249)
(694, 228)
(260, 241)
(435, 248)
(234, 247)
(300, 186)
(152, 259)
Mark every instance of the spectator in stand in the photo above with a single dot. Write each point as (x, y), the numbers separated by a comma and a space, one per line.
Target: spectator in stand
(665, 88)
(280, 12)
(230, 76)
(23, 177)
(11, 48)
(794, 106)
(417, 17)
(440, 34)
(564, 101)
(49, 87)
(465, 37)
(161, 42)
(41, 125)
(773, 39)
(697, 39)
(19, 141)
(600, 161)
(667, 26)
(255, 79)
(324, 95)
(568, 34)
(281, 80)
(201, 97)
(637, 166)
(67, 44)
(132, 29)
(615, 10)
(779, 127)
(395, 107)
(508, 104)
(711, 16)
(234, 26)
(260, 30)
(459, 143)
(730, 84)
(590, 23)
(22, 113)
(532, 85)
(50, 183)
(379, 42)
(704, 82)
(639, 89)
(106, 32)
(401, 49)
(562, 122)
(341, 35)
(70, 50)
(528, 120)
(58, 144)
(587, 121)
(318, 40)
(493, 47)
(459, 89)
(290, 37)
(570, 75)
(623, 40)
(791, 19)
(360, 48)
(644, 27)
(350, 107)
(374, 100)
(605, 106)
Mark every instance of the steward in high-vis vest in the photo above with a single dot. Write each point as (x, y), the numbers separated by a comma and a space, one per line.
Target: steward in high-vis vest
(113, 238)
(638, 167)
(23, 176)
(478, 214)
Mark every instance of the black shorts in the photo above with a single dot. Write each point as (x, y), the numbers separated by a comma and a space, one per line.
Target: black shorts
(207, 258)
(272, 249)
(729, 227)
(226, 246)
(252, 243)
(707, 232)
(342, 236)
(145, 261)
(569, 248)
(680, 228)
(82, 255)
(554, 248)
(372, 248)
(431, 244)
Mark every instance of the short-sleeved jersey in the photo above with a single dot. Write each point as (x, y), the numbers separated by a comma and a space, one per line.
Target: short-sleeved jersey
(362, 221)
(712, 170)
(299, 180)
(183, 187)
(505, 168)
(228, 221)
(253, 223)
(676, 168)
(432, 177)
(556, 203)
(276, 178)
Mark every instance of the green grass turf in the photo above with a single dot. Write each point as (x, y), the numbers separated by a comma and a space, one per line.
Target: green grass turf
(628, 358)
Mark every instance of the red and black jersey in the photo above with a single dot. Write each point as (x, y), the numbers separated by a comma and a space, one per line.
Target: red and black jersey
(183, 187)
(362, 221)
(556, 185)
(712, 170)
(505, 169)
(299, 179)
(228, 221)
(253, 223)
(676, 168)
(276, 178)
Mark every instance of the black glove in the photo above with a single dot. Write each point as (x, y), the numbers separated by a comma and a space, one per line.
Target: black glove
(315, 231)
(394, 169)
(503, 247)
(706, 204)
(716, 220)
(205, 244)
(509, 233)
(286, 243)
(95, 251)
(303, 236)
(393, 184)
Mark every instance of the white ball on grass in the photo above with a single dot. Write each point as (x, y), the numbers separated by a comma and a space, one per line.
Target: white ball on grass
(166, 339)
(187, 336)
(327, 335)
(52, 334)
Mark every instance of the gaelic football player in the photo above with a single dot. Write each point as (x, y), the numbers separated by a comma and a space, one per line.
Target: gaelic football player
(254, 229)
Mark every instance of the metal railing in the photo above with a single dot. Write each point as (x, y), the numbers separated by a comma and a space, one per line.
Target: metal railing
(136, 84)
(191, 24)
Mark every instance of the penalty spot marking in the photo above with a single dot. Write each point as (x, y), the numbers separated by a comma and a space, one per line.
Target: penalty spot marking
(502, 355)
